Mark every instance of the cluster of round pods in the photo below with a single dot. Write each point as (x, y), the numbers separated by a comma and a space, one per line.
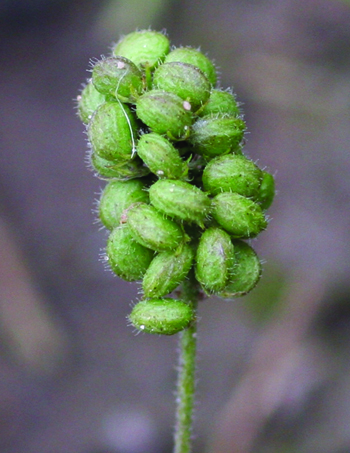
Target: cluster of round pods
(181, 194)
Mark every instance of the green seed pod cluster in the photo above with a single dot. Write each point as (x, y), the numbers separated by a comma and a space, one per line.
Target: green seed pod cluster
(181, 194)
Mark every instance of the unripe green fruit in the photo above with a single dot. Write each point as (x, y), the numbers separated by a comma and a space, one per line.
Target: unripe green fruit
(127, 258)
(232, 173)
(119, 77)
(118, 196)
(161, 157)
(215, 258)
(216, 135)
(238, 215)
(88, 101)
(111, 131)
(194, 57)
(107, 169)
(220, 102)
(181, 200)
(245, 273)
(161, 316)
(184, 80)
(165, 113)
(145, 48)
(151, 229)
(267, 191)
(167, 271)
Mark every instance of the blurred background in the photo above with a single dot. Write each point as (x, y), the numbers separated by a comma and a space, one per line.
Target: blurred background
(274, 366)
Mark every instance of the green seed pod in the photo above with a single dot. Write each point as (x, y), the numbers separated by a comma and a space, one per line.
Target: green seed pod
(238, 215)
(167, 271)
(118, 76)
(107, 169)
(127, 258)
(245, 273)
(145, 48)
(184, 80)
(220, 102)
(215, 258)
(151, 229)
(162, 158)
(181, 200)
(165, 113)
(232, 173)
(216, 135)
(118, 196)
(161, 316)
(267, 191)
(111, 132)
(88, 101)
(196, 58)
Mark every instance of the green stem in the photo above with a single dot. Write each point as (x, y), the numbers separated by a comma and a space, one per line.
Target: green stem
(186, 377)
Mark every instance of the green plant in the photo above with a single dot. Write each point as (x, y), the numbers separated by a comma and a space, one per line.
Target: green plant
(181, 196)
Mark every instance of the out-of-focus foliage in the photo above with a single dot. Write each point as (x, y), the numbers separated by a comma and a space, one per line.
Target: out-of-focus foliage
(127, 15)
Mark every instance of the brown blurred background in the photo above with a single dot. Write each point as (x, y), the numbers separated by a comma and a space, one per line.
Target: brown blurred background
(273, 367)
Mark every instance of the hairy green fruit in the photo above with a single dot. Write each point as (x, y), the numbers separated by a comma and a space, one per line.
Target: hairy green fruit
(145, 48)
(118, 196)
(232, 173)
(215, 257)
(220, 102)
(238, 215)
(181, 200)
(216, 135)
(127, 258)
(107, 169)
(161, 157)
(88, 101)
(184, 80)
(119, 77)
(165, 113)
(167, 271)
(245, 273)
(195, 58)
(267, 191)
(151, 229)
(111, 132)
(161, 316)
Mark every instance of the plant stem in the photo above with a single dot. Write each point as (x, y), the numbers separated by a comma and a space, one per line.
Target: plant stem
(186, 376)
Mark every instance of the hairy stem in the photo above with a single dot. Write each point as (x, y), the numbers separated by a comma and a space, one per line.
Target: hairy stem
(186, 377)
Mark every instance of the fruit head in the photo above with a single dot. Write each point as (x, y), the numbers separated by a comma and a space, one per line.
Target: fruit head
(161, 157)
(118, 77)
(222, 102)
(195, 58)
(118, 196)
(145, 48)
(216, 135)
(182, 192)
(165, 113)
(107, 169)
(161, 316)
(111, 132)
(88, 101)
(232, 173)
(127, 258)
(267, 191)
(238, 215)
(184, 80)
(151, 229)
(167, 271)
(214, 259)
(245, 273)
(180, 200)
